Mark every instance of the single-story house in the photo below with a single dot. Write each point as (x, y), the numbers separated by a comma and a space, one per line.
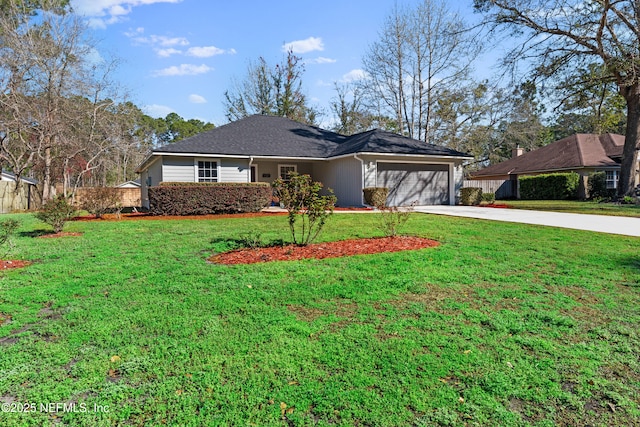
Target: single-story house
(580, 153)
(262, 148)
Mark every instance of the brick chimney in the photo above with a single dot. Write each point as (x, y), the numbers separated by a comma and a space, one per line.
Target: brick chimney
(517, 152)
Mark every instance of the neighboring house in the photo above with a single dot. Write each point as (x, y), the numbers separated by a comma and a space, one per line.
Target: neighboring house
(263, 148)
(22, 199)
(130, 184)
(580, 153)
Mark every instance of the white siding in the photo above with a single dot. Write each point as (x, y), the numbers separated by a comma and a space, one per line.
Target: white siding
(234, 170)
(178, 169)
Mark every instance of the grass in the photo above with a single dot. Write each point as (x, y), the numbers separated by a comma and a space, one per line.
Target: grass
(575, 206)
(502, 324)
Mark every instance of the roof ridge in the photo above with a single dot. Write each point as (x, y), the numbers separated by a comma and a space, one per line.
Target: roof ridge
(579, 147)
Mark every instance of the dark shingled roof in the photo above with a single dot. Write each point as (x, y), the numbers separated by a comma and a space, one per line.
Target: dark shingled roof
(380, 141)
(573, 152)
(281, 137)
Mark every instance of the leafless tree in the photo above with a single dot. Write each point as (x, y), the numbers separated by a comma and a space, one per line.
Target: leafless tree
(420, 52)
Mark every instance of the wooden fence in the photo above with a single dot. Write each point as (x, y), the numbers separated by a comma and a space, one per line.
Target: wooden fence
(129, 197)
(504, 189)
(23, 199)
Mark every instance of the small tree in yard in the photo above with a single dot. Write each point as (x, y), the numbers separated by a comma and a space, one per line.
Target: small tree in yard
(56, 212)
(301, 197)
(8, 228)
(100, 200)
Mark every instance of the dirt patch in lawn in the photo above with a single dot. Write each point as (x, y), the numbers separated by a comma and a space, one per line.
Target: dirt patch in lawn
(323, 250)
(9, 264)
(60, 234)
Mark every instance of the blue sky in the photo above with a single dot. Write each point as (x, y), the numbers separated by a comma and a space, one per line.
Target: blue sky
(181, 55)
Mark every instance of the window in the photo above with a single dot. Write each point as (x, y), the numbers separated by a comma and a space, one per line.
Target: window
(285, 171)
(612, 179)
(207, 171)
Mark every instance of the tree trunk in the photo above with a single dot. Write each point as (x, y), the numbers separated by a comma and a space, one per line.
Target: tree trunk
(629, 164)
(47, 193)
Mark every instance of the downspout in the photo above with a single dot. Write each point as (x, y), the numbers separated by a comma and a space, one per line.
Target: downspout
(251, 163)
(355, 156)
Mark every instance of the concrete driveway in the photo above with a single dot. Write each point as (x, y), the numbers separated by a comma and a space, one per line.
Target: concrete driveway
(600, 223)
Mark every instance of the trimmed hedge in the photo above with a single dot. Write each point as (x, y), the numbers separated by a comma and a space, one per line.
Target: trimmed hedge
(552, 186)
(470, 196)
(195, 198)
(375, 196)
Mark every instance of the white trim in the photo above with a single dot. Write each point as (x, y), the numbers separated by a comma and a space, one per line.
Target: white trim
(297, 159)
(196, 178)
(252, 166)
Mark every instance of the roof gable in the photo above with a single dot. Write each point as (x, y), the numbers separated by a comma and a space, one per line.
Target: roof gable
(574, 152)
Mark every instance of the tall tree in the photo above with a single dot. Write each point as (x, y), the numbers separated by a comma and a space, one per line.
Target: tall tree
(347, 107)
(564, 36)
(592, 105)
(45, 68)
(420, 53)
(273, 91)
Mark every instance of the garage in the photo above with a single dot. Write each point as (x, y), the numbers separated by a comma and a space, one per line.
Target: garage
(425, 184)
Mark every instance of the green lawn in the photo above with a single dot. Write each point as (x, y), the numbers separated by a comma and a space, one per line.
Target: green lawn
(575, 206)
(501, 325)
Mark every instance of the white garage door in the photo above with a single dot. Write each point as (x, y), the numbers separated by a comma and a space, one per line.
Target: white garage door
(426, 184)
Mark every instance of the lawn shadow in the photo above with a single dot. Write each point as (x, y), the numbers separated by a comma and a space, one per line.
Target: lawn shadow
(34, 233)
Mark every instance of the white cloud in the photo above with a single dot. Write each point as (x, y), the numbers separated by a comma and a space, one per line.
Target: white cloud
(104, 12)
(205, 51)
(155, 110)
(321, 60)
(183, 70)
(303, 46)
(354, 75)
(165, 53)
(197, 99)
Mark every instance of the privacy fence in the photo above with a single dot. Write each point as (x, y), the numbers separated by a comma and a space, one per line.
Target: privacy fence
(503, 189)
(22, 199)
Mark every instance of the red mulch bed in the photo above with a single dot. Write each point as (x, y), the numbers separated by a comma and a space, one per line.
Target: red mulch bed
(146, 216)
(323, 250)
(60, 234)
(496, 205)
(8, 264)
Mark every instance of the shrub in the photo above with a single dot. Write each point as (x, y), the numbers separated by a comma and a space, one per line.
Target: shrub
(8, 228)
(597, 187)
(488, 197)
(470, 196)
(100, 200)
(185, 198)
(301, 198)
(375, 196)
(392, 218)
(553, 186)
(56, 212)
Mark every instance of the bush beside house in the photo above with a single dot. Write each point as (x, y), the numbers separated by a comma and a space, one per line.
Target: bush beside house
(470, 196)
(197, 198)
(553, 186)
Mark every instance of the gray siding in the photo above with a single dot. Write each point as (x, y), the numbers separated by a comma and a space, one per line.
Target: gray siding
(178, 169)
(234, 170)
(344, 177)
